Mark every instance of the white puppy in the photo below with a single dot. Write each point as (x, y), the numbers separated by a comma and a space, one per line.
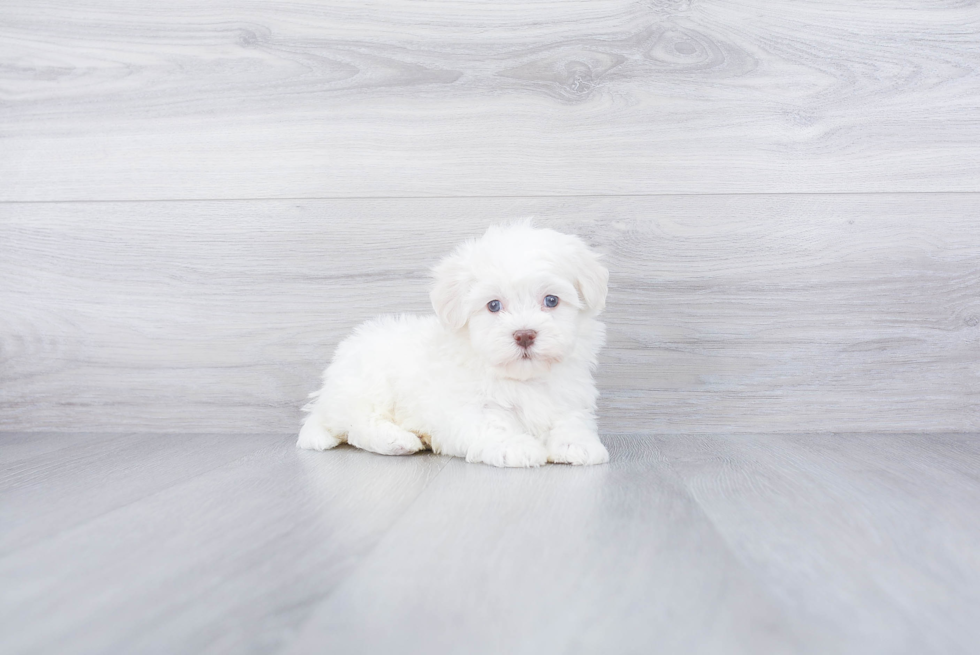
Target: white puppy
(503, 373)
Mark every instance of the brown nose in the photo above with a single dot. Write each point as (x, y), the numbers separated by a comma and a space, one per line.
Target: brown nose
(525, 338)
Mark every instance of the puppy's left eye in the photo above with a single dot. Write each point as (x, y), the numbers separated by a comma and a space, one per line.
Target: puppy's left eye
(551, 301)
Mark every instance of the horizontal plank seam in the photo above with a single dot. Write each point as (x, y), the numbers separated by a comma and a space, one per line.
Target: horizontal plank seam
(491, 196)
(614, 434)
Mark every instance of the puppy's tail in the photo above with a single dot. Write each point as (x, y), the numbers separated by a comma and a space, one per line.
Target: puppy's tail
(311, 405)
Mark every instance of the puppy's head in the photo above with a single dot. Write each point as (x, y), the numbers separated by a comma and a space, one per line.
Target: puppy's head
(522, 294)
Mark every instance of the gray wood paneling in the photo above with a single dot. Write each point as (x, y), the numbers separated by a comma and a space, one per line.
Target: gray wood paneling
(737, 313)
(172, 551)
(107, 100)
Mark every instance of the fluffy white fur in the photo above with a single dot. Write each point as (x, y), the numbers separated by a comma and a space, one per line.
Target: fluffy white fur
(459, 382)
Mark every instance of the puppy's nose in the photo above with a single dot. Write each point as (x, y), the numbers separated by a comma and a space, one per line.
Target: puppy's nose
(525, 338)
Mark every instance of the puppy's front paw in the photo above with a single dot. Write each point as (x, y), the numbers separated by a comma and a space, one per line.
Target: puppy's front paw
(514, 451)
(384, 438)
(578, 452)
(314, 436)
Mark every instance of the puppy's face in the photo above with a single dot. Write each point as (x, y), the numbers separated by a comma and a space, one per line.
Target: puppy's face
(521, 294)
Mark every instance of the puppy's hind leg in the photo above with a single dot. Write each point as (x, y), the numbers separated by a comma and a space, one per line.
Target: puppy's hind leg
(314, 434)
(381, 436)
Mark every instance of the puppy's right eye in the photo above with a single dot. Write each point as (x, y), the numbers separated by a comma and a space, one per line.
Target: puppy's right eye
(494, 305)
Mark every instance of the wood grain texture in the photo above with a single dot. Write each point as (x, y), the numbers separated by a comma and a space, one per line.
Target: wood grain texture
(104, 100)
(180, 558)
(608, 559)
(869, 537)
(846, 543)
(735, 313)
(90, 475)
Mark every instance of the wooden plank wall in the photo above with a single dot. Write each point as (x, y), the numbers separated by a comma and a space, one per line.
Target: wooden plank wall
(197, 201)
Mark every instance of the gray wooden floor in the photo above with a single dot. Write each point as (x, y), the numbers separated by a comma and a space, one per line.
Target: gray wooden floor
(847, 543)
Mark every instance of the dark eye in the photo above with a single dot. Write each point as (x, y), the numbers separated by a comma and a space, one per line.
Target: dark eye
(494, 305)
(551, 301)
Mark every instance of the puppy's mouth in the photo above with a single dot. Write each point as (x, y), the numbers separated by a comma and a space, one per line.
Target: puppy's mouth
(527, 364)
(533, 356)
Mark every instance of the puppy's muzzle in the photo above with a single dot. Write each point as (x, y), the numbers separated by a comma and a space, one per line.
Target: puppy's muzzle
(525, 338)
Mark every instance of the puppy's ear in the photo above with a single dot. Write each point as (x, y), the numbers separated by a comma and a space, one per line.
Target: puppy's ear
(591, 278)
(452, 284)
